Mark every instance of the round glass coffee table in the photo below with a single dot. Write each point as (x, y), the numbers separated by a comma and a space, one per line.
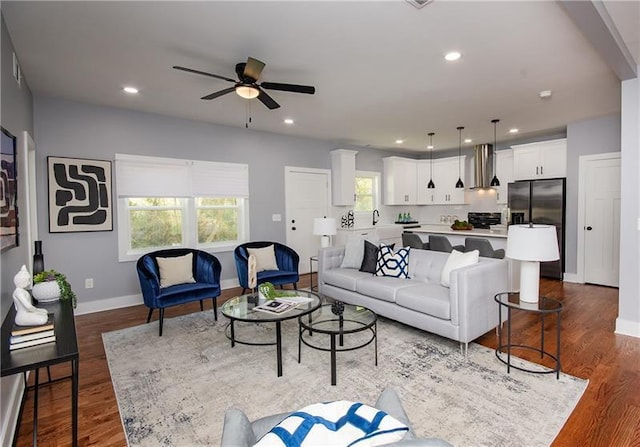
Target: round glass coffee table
(242, 308)
(338, 320)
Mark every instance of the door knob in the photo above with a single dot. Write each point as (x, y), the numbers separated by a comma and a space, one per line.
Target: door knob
(293, 221)
(293, 228)
(589, 228)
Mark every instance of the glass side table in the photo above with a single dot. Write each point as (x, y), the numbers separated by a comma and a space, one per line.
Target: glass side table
(544, 306)
(312, 259)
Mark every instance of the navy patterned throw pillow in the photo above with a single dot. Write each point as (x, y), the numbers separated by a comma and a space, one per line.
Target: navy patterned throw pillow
(393, 264)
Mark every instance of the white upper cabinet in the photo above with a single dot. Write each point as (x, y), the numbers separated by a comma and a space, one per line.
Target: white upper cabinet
(399, 181)
(446, 172)
(545, 159)
(504, 172)
(425, 195)
(343, 177)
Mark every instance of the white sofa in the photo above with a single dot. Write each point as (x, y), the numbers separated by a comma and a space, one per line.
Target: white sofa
(462, 312)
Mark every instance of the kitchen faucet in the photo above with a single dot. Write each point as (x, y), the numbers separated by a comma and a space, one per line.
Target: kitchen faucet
(376, 216)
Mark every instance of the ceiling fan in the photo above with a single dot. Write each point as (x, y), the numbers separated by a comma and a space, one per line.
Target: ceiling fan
(247, 85)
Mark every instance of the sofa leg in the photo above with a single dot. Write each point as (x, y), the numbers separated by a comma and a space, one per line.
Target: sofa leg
(149, 316)
(244, 289)
(201, 306)
(161, 319)
(215, 309)
(464, 349)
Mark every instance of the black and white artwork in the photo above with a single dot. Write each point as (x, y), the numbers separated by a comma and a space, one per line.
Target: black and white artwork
(8, 192)
(79, 195)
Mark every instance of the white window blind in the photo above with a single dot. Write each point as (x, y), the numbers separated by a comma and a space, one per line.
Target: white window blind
(140, 176)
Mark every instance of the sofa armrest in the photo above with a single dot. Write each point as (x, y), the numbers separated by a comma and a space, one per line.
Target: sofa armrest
(472, 294)
(329, 258)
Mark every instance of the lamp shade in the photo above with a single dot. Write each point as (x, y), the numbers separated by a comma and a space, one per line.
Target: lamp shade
(324, 226)
(532, 243)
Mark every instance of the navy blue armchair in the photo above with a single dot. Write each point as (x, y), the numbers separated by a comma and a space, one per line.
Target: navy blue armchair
(286, 259)
(206, 273)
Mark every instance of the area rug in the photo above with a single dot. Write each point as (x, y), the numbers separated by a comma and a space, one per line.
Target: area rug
(173, 390)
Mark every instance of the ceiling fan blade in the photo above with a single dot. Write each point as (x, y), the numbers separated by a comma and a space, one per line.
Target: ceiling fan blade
(204, 73)
(289, 87)
(253, 68)
(267, 100)
(220, 93)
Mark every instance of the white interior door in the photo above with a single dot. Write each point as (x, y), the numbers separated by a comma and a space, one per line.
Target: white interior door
(602, 222)
(307, 196)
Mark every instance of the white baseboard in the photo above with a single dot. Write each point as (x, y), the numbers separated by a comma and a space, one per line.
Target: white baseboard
(130, 300)
(572, 277)
(627, 327)
(11, 400)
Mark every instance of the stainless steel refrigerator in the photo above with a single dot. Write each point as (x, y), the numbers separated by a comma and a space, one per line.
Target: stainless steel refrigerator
(541, 202)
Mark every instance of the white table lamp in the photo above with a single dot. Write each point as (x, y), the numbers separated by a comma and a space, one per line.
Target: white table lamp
(531, 244)
(325, 227)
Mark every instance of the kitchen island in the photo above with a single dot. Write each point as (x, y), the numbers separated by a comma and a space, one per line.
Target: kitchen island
(497, 237)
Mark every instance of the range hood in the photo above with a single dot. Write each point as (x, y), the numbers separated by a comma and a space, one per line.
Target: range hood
(482, 166)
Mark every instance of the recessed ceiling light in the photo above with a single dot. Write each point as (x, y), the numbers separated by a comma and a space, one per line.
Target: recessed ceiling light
(130, 90)
(430, 147)
(468, 140)
(452, 56)
(399, 141)
(514, 130)
(288, 121)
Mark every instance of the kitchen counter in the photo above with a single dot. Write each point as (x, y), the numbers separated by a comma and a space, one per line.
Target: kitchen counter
(445, 229)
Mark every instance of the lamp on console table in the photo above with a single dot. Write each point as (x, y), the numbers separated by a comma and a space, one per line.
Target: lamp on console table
(531, 244)
(325, 227)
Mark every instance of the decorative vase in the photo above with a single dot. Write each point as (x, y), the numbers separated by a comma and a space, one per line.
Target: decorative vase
(38, 259)
(46, 291)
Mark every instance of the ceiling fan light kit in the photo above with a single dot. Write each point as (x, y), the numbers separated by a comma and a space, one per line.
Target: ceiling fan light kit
(247, 84)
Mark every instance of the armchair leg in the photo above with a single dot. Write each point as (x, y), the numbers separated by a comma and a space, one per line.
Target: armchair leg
(201, 306)
(215, 308)
(149, 316)
(161, 319)
(244, 289)
(295, 285)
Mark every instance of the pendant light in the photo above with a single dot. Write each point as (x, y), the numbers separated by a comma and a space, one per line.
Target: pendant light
(431, 185)
(494, 180)
(459, 183)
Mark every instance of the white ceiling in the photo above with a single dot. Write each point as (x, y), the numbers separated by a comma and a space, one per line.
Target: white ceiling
(378, 67)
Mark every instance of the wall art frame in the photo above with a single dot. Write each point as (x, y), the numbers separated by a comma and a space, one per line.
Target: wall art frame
(9, 228)
(80, 198)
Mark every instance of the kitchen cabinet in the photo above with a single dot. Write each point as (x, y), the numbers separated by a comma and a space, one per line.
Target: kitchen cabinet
(445, 177)
(504, 171)
(399, 181)
(544, 159)
(425, 196)
(343, 177)
(387, 234)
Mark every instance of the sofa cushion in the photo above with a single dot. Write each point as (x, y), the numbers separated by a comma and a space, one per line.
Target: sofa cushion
(392, 263)
(344, 278)
(431, 299)
(383, 287)
(353, 252)
(426, 265)
(175, 270)
(455, 261)
(336, 423)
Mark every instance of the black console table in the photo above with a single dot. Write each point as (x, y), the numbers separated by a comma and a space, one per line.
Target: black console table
(64, 349)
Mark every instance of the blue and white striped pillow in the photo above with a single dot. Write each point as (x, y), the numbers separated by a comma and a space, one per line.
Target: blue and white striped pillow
(393, 264)
(342, 423)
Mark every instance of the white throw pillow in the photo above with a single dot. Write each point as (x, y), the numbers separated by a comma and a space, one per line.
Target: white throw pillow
(456, 260)
(176, 270)
(265, 258)
(353, 253)
(340, 423)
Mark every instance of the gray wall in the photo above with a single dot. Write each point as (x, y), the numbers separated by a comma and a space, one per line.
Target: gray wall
(595, 136)
(16, 115)
(71, 129)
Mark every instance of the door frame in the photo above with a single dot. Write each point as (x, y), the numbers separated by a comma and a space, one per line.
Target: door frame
(287, 171)
(582, 204)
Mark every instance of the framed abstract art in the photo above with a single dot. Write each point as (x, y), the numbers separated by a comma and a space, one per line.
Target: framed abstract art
(8, 192)
(79, 195)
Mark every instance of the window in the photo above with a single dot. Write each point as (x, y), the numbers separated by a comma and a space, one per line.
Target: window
(204, 205)
(367, 191)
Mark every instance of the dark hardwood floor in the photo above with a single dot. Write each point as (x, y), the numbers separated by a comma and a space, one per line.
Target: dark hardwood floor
(607, 415)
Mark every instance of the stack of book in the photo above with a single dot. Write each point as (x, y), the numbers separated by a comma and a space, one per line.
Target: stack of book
(25, 336)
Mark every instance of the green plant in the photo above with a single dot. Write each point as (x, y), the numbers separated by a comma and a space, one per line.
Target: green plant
(65, 288)
(270, 293)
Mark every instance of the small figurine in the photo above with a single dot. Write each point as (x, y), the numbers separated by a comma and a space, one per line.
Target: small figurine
(26, 313)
